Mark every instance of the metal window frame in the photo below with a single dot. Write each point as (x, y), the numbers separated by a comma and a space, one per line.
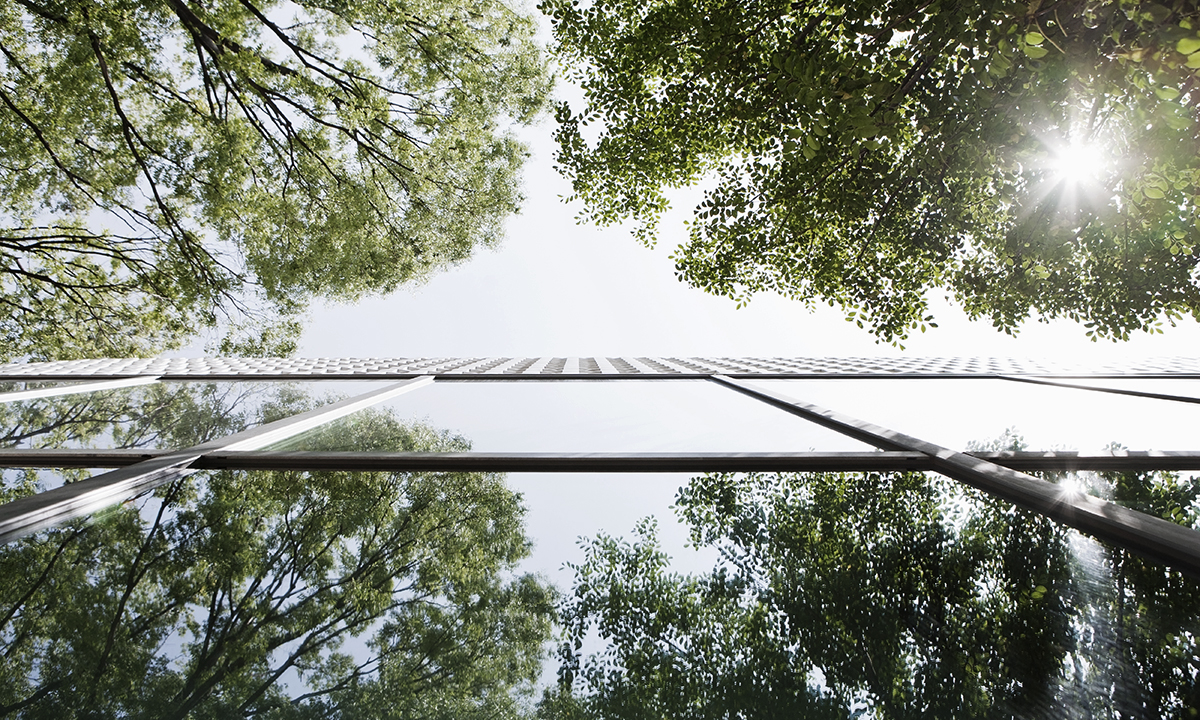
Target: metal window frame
(604, 462)
(995, 473)
(71, 389)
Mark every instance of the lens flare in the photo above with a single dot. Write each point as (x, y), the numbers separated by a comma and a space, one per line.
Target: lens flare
(1076, 164)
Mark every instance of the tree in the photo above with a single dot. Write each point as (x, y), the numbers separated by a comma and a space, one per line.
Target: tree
(231, 594)
(170, 166)
(895, 595)
(867, 154)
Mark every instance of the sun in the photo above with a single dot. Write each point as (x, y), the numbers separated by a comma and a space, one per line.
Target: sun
(1076, 163)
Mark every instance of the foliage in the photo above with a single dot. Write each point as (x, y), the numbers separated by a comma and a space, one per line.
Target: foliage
(170, 166)
(281, 595)
(869, 154)
(894, 595)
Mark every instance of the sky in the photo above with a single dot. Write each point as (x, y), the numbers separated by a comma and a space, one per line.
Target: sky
(556, 287)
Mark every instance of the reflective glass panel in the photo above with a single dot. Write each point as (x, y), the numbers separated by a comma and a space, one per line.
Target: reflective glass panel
(961, 413)
(863, 588)
(161, 415)
(8, 386)
(586, 416)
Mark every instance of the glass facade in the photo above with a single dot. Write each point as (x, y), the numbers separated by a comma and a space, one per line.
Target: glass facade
(992, 514)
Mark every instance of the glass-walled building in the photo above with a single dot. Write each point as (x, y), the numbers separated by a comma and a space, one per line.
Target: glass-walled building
(151, 464)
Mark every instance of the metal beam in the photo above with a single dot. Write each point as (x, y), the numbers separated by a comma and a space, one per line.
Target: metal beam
(27, 515)
(1093, 388)
(647, 462)
(1152, 537)
(535, 375)
(571, 462)
(264, 435)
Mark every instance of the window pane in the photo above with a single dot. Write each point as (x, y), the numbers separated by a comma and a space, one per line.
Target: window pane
(8, 386)
(407, 568)
(161, 415)
(589, 416)
(957, 413)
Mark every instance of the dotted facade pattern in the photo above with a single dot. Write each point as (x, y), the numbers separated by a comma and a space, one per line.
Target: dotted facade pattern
(627, 367)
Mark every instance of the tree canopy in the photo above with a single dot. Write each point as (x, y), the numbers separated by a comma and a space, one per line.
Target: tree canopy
(894, 595)
(1026, 159)
(276, 594)
(169, 166)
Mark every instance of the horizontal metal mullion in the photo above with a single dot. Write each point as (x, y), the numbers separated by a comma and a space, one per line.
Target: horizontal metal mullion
(571, 462)
(485, 462)
(1056, 461)
(75, 458)
(1068, 461)
(687, 462)
(399, 368)
(535, 377)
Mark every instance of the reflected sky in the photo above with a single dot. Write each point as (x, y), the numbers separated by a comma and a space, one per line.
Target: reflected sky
(607, 416)
(955, 413)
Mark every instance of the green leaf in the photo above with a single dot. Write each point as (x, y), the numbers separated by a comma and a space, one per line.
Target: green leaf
(1187, 45)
